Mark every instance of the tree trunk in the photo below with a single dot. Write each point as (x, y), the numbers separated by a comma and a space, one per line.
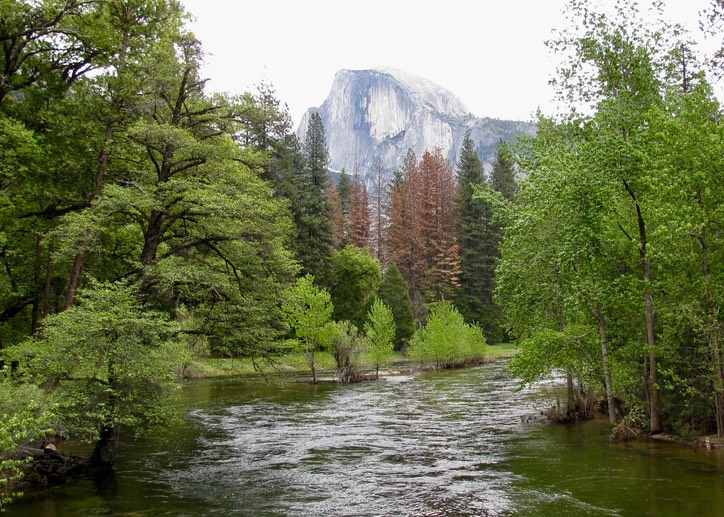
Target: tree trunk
(35, 318)
(106, 449)
(48, 279)
(79, 262)
(152, 238)
(606, 367)
(655, 416)
(572, 399)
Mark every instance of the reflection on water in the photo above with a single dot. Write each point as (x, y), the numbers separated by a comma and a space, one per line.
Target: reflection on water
(438, 443)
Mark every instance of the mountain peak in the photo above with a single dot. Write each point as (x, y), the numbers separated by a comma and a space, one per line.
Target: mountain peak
(372, 117)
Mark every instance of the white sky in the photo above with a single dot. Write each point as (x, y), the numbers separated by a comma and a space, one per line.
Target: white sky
(490, 53)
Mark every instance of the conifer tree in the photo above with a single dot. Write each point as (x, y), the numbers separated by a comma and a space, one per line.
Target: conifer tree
(395, 293)
(339, 220)
(480, 237)
(473, 233)
(359, 214)
(379, 217)
(315, 235)
(404, 236)
(438, 216)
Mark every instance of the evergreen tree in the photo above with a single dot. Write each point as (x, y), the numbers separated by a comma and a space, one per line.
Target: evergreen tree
(480, 237)
(339, 221)
(344, 189)
(395, 293)
(360, 216)
(474, 234)
(435, 191)
(378, 217)
(315, 236)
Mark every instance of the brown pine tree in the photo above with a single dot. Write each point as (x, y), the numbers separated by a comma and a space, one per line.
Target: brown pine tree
(404, 236)
(360, 215)
(438, 224)
(339, 220)
(379, 217)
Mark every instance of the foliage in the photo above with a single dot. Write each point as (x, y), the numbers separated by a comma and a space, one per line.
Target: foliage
(421, 237)
(355, 278)
(315, 234)
(609, 248)
(446, 339)
(395, 293)
(380, 332)
(360, 215)
(22, 420)
(479, 235)
(109, 359)
(308, 311)
(349, 345)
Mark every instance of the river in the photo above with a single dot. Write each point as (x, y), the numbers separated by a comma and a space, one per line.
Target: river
(459, 442)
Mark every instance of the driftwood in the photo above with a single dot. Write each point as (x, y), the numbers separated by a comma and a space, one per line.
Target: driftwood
(49, 468)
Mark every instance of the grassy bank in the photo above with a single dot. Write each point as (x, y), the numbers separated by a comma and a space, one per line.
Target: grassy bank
(220, 367)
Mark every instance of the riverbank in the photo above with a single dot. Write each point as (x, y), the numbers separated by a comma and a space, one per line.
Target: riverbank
(297, 363)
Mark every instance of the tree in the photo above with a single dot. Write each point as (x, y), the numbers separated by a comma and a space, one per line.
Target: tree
(612, 222)
(474, 298)
(421, 234)
(360, 216)
(349, 346)
(441, 250)
(355, 278)
(395, 293)
(380, 333)
(446, 339)
(314, 243)
(23, 419)
(308, 311)
(404, 240)
(378, 219)
(110, 361)
(44, 42)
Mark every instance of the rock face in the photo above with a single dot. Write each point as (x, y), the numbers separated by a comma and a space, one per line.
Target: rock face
(372, 117)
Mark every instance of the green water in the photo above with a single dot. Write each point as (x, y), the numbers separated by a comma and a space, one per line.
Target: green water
(458, 442)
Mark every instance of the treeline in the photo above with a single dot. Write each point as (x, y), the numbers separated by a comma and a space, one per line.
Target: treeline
(612, 261)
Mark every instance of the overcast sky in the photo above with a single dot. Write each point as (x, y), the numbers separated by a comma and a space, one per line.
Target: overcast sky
(490, 53)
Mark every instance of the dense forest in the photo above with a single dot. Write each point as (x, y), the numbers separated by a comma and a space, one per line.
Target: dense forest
(146, 224)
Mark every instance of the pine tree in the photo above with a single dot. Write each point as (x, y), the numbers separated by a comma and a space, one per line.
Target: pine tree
(314, 222)
(339, 221)
(359, 213)
(438, 216)
(394, 292)
(404, 237)
(379, 202)
(477, 242)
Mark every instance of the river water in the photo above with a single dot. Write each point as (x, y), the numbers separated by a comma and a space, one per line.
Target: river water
(459, 442)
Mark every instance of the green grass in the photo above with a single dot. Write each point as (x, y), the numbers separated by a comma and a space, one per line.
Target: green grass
(297, 362)
(502, 350)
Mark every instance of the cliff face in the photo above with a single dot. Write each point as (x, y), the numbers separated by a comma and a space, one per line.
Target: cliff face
(374, 116)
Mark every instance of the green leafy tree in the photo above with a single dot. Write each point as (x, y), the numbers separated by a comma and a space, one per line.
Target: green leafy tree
(22, 420)
(395, 294)
(446, 339)
(355, 278)
(380, 333)
(308, 311)
(110, 362)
